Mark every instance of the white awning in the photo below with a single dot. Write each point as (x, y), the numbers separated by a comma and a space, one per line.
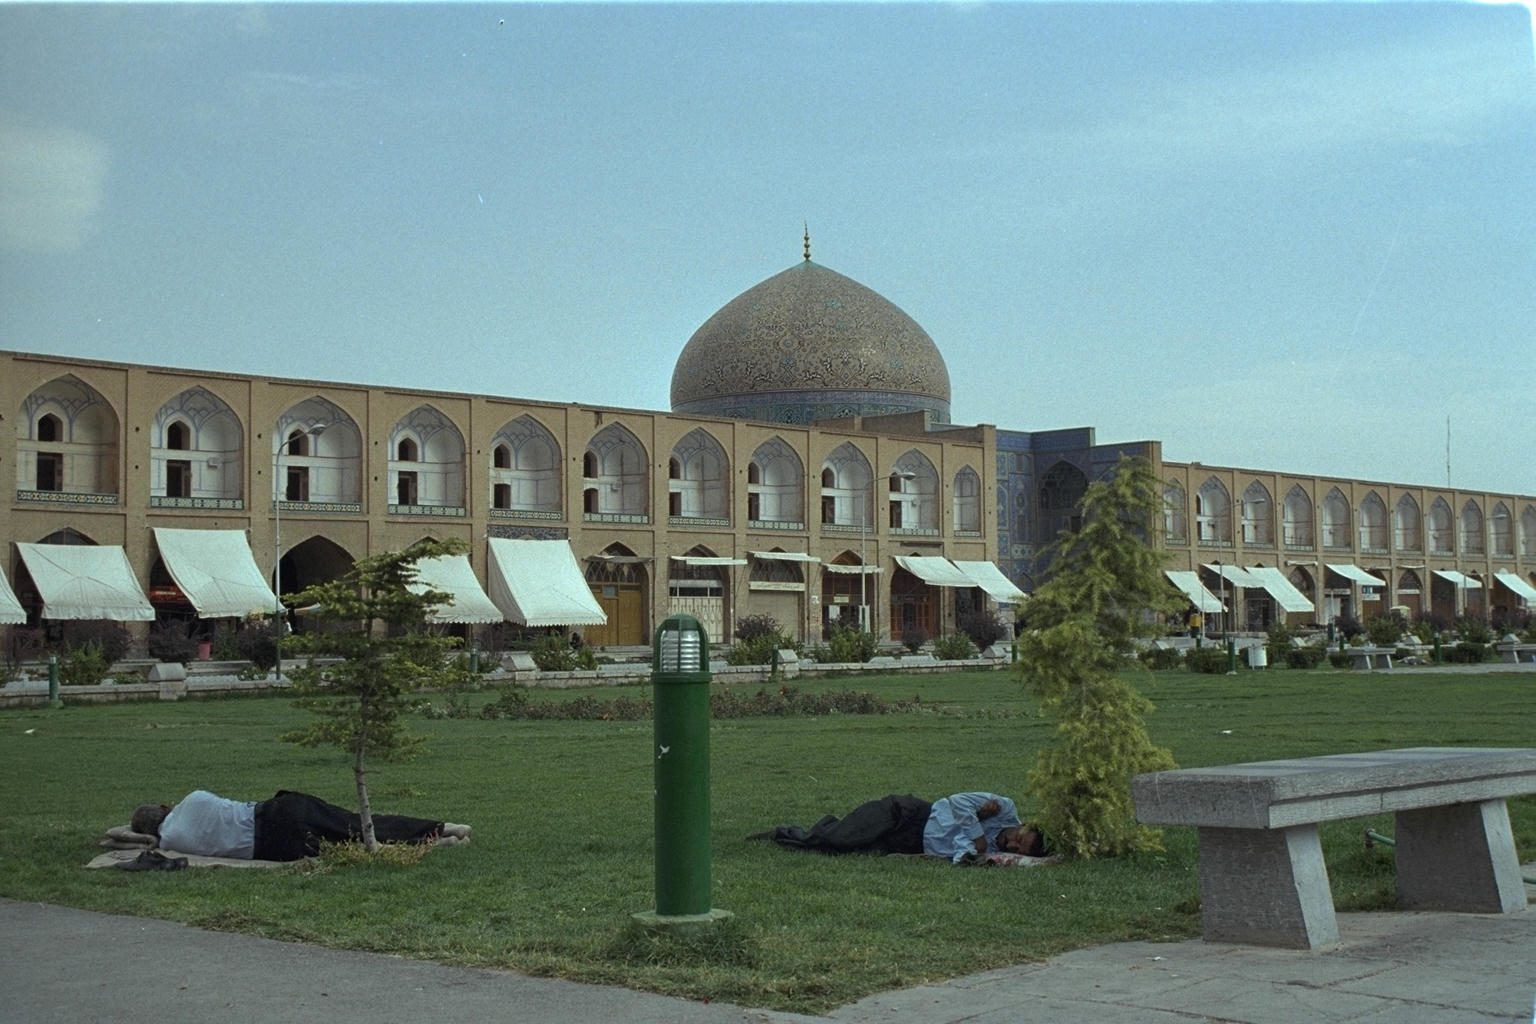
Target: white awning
(851, 570)
(940, 572)
(216, 571)
(1235, 575)
(1460, 580)
(81, 581)
(11, 611)
(1521, 588)
(1281, 589)
(1355, 574)
(784, 556)
(991, 579)
(707, 560)
(1188, 581)
(538, 583)
(453, 575)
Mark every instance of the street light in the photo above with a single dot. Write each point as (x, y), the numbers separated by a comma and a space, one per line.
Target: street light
(279, 489)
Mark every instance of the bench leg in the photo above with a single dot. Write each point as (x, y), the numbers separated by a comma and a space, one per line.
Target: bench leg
(1265, 887)
(1460, 857)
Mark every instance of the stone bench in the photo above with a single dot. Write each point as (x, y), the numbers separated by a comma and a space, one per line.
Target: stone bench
(1371, 657)
(1262, 877)
(1515, 653)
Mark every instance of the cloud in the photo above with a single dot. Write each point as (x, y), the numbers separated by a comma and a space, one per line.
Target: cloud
(52, 184)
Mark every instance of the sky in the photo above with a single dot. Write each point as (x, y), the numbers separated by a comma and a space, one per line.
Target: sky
(1295, 237)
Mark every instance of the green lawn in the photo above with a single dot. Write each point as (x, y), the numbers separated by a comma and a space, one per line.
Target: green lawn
(562, 815)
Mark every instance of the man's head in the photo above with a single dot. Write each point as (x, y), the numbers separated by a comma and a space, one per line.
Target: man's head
(1025, 839)
(147, 818)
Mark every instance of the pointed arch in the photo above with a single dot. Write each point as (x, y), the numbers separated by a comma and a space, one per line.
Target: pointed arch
(1438, 523)
(1334, 519)
(1527, 543)
(1296, 520)
(775, 484)
(1258, 513)
(66, 441)
(1373, 523)
(1175, 513)
(1473, 540)
(699, 488)
(617, 482)
(846, 487)
(317, 452)
(1407, 525)
(1501, 531)
(197, 452)
(1061, 492)
(525, 468)
(913, 504)
(1213, 512)
(967, 501)
(426, 473)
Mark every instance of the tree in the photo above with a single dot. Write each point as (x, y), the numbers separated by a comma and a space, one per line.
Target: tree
(1104, 591)
(376, 628)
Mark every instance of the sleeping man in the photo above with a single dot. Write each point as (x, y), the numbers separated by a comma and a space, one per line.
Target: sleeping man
(958, 828)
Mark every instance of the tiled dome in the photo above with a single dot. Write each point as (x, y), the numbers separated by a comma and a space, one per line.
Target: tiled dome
(810, 344)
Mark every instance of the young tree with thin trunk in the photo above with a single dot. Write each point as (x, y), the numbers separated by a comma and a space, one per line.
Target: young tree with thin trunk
(372, 630)
(1104, 591)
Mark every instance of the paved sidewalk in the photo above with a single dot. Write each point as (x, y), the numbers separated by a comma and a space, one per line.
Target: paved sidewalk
(63, 965)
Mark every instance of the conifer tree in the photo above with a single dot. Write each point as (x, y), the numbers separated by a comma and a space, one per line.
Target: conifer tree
(376, 626)
(1104, 590)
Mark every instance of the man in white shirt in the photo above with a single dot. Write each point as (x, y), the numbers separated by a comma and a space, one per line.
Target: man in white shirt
(956, 827)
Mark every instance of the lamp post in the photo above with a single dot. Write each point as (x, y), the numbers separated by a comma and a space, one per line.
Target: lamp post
(279, 492)
(680, 681)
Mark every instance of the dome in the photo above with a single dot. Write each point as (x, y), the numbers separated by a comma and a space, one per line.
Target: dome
(810, 344)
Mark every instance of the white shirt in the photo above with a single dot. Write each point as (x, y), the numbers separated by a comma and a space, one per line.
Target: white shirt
(210, 826)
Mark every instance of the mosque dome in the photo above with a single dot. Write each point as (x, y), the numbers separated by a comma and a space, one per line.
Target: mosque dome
(809, 344)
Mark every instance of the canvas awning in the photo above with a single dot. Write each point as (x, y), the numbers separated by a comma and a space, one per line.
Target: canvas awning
(939, 572)
(1518, 586)
(86, 581)
(1355, 574)
(1459, 579)
(851, 570)
(1281, 589)
(1188, 581)
(784, 556)
(538, 583)
(707, 560)
(991, 579)
(216, 571)
(453, 575)
(11, 611)
(1234, 574)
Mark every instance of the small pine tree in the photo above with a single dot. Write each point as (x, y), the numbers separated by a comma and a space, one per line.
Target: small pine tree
(1105, 590)
(376, 626)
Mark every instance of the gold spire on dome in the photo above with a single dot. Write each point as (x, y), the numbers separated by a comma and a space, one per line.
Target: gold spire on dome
(807, 240)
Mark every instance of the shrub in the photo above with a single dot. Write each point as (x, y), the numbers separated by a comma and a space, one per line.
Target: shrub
(913, 639)
(1349, 627)
(1210, 660)
(1340, 659)
(257, 644)
(847, 644)
(83, 666)
(756, 650)
(1162, 658)
(1385, 630)
(1464, 653)
(753, 627)
(954, 647)
(1474, 630)
(172, 641)
(1304, 657)
(982, 626)
(111, 639)
(224, 644)
(553, 653)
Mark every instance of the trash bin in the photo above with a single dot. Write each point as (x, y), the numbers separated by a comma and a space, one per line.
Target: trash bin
(1258, 656)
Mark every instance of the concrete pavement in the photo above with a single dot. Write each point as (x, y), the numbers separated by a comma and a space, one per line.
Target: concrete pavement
(63, 965)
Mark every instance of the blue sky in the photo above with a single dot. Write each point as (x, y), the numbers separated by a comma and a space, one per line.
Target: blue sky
(1293, 237)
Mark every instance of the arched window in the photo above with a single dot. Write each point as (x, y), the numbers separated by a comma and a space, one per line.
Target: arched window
(178, 436)
(406, 450)
(1441, 536)
(913, 489)
(1373, 523)
(1335, 521)
(967, 510)
(1407, 525)
(698, 471)
(49, 428)
(617, 467)
(501, 457)
(1175, 513)
(1502, 531)
(1061, 491)
(1472, 542)
(428, 469)
(1528, 532)
(775, 484)
(1258, 516)
(526, 464)
(846, 485)
(1213, 512)
(1297, 520)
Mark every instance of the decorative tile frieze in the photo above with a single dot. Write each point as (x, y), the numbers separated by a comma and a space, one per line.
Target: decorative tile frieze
(222, 504)
(432, 511)
(66, 498)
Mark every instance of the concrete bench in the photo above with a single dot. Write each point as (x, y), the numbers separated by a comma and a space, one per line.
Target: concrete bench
(1262, 877)
(1371, 657)
(1515, 653)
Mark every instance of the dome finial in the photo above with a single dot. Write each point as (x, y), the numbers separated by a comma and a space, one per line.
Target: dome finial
(807, 240)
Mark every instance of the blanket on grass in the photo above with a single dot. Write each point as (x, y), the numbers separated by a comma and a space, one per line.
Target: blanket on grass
(124, 846)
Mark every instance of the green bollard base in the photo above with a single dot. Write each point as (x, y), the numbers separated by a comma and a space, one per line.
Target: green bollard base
(651, 920)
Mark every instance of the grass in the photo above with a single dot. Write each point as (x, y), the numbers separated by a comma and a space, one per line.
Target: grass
(563, 828)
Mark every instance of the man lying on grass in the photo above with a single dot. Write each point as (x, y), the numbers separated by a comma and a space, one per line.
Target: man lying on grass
(958, 828)
(289, 826)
